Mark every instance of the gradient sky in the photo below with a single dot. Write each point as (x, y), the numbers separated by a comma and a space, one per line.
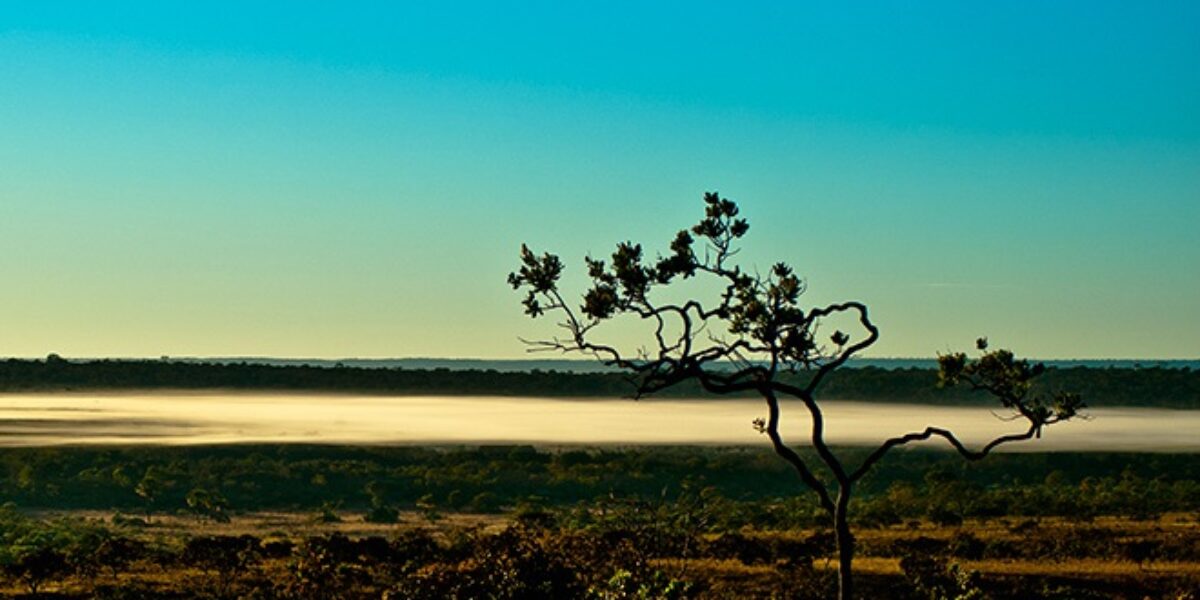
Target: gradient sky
(354, 179)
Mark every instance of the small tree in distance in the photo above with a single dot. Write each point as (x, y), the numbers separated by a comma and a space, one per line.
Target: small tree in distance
(754, 331)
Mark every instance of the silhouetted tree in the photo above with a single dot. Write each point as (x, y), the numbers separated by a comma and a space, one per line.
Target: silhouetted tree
(754, 331)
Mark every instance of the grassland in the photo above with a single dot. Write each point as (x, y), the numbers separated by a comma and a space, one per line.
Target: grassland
(280, 556)
(294, 522)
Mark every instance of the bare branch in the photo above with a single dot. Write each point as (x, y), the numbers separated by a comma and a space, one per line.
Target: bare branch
(863, 319)
(929, 432)
(788, 454)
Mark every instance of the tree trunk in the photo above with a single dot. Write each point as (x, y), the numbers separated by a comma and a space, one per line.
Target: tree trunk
(845, 545)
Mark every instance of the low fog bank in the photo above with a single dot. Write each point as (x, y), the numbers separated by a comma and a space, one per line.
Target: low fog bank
(219, 418)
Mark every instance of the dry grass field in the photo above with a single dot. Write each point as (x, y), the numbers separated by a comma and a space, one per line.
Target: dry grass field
(1006, 558)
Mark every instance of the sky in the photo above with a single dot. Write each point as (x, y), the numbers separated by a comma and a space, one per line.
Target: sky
(354, 179)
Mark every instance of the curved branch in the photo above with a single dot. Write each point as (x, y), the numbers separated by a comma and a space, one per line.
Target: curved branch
(929, 432)
(863, 319)
(818, 441)
(818, 429)
(788, 454)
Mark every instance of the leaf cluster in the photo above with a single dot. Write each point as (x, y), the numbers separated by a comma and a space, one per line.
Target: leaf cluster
(756, 319)
(1011, 381)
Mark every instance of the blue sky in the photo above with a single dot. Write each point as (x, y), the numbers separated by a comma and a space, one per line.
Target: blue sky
(353, 179)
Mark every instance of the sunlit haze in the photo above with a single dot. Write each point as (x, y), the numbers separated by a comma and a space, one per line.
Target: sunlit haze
(215, 418)
(355, 179)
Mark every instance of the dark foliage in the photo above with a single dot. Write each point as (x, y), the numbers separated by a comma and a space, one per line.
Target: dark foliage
(728, 487)
(222, 556)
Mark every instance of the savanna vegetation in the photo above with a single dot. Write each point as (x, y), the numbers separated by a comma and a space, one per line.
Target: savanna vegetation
(150, 481)
(522, 522)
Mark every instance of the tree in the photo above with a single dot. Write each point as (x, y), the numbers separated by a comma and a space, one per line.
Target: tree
(35, 565)
(150, 489)
(207, 504)
(117, 552)
(381, 511)
(754, 335)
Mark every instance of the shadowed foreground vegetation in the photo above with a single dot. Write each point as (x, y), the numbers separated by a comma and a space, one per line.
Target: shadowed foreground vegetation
(1153, 386)
(523, 522)
(616, 549)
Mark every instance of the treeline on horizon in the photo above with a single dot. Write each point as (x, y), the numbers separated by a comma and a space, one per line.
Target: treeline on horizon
(1147, 386)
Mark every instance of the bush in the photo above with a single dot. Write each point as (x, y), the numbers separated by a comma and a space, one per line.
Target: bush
(226, 557)
(382, 514)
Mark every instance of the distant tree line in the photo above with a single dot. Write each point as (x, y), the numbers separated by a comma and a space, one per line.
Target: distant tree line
(1152, 387)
